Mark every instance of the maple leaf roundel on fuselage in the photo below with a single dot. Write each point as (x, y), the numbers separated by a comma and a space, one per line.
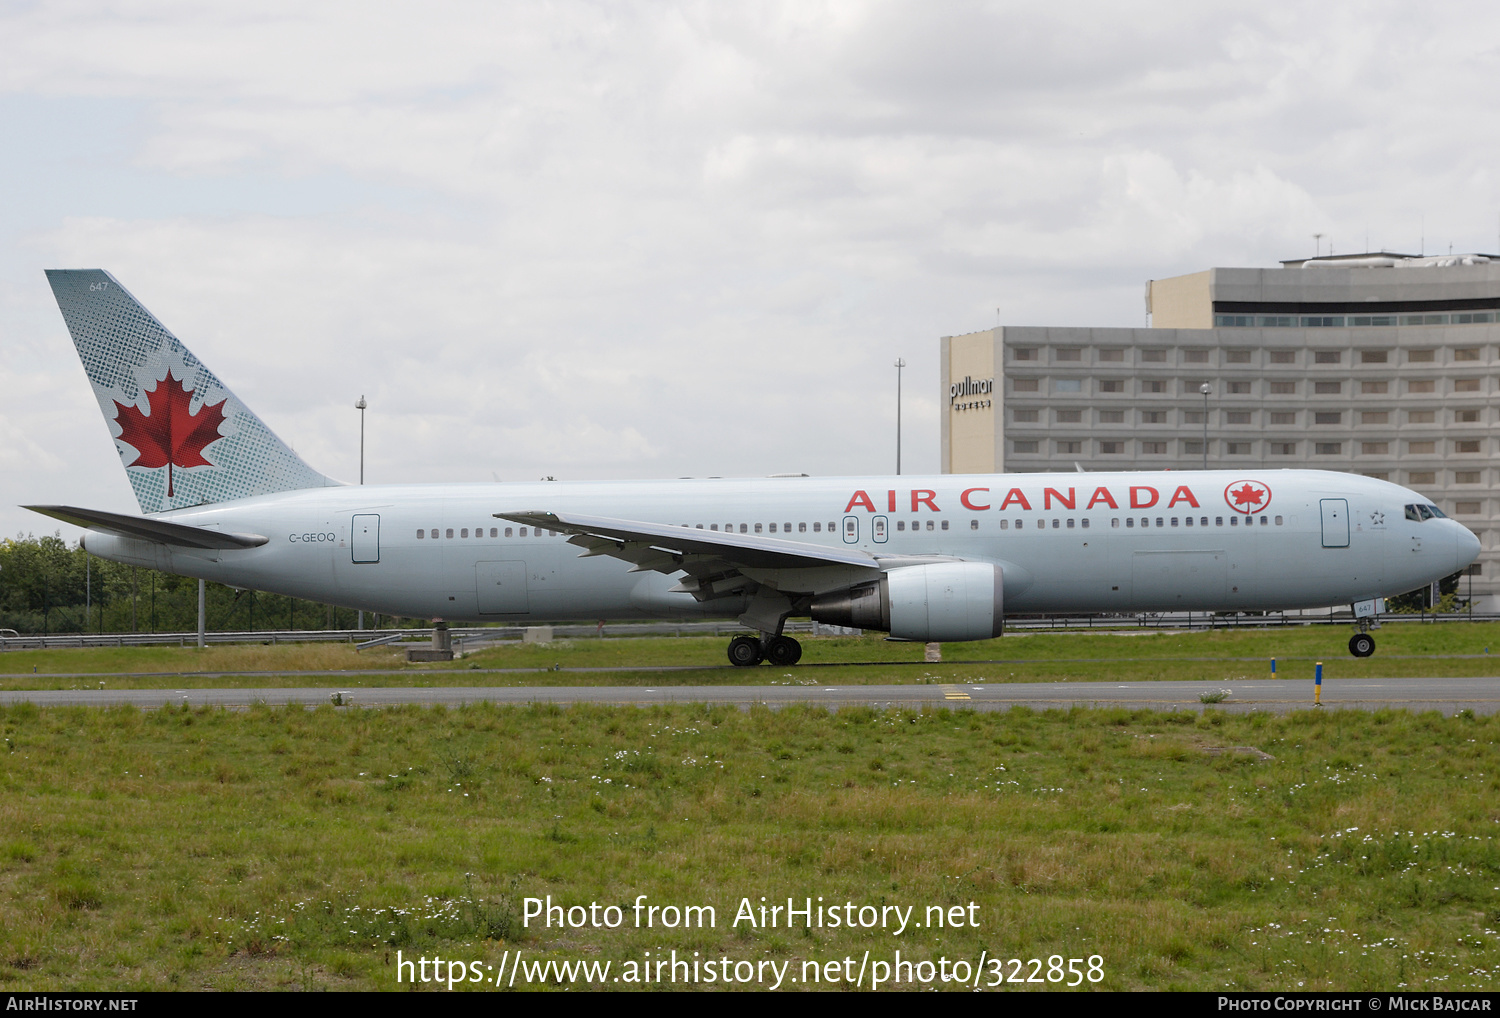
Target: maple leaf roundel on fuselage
(1247, 496)
(170, 435)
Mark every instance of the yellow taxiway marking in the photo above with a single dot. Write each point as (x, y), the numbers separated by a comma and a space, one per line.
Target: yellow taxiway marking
(953, 693)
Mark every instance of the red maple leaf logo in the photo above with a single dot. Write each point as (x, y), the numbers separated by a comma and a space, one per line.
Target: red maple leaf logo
(1249, 497)
(170, 436)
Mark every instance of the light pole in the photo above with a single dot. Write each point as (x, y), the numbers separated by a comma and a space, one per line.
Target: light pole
(360, 406)
(900, 364)
(1205, 388)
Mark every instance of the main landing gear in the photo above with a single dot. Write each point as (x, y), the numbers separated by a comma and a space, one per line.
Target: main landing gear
(781, 651)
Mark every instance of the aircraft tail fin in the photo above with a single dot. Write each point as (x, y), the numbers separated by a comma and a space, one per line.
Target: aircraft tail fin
(182, 436)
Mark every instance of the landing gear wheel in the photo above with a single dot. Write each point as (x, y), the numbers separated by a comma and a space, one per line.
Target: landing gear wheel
(783, 651)
(1361, 644)
(744, 651)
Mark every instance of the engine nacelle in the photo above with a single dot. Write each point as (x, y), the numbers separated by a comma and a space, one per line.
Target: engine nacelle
(938, 603)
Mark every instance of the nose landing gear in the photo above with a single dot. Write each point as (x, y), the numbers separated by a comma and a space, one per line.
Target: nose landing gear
(748, 651)
(1361, 644)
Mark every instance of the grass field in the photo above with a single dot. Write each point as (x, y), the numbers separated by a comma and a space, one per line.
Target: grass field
(1408, 649)
(296, 849)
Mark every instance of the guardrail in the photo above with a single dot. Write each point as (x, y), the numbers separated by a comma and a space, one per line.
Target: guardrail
(475, 637)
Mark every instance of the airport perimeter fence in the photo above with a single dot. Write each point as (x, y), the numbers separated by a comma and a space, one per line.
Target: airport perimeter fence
(477, 637)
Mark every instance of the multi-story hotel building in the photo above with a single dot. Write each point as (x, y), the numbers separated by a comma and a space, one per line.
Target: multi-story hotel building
(1378, 364)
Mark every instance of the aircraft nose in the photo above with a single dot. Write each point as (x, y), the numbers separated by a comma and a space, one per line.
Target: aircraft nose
(1465, 547)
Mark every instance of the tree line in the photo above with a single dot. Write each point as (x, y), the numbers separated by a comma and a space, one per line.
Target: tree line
(49, 586)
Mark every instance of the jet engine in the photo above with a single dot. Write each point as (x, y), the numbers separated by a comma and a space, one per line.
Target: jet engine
(937, 603)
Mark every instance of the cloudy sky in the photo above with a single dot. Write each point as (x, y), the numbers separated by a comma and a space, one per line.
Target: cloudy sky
(670, 239)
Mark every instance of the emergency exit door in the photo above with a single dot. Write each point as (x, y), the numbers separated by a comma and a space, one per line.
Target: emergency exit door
(364, 543)
(1335, 522)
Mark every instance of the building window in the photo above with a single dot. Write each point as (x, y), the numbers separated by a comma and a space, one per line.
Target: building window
(1375, 448)
(1024, 416)
(1026, 446)
(1283, 417)
(1153, 356)
(1421, 385)
(1378, 475)
(1468, 354)
(1283, 448)
(1024, 385)
(1283, 356)
(1195, 356)
(1466, 508)
(1421, 477)
(1466, 446)
(1237, 448)
(1372, 356)
(1323, 322)
(1069, 416)
(1023, 354)
(1283, 388)
(1238, 388)
(1466, 385)
(1111, 448)
(1068, 354)
(1192, 448)
(1421, 417)
(1192, 417)
(1237, 357)
(1421, 448)
(1236, 417)
(1114, 356)
(1150, 385)
(1070, 448)
(1112, 385)
(1328, 356)
(1375, 417)
(1328, 417)
(1466, 416)
(1466, 477)
(1067, 385)
(1111, 417)
(1327, 448)
(1328, 388)
(1153, 417)
(1153, 448)
(1374, 388)
(1420, 356)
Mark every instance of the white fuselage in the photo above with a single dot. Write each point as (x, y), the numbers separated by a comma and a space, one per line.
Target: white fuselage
(1320, 539)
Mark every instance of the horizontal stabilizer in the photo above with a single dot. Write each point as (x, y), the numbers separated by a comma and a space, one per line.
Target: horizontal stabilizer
(144, 529)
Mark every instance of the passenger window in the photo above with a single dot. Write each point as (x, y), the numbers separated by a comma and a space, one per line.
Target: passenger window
(973, 524)
(713, 526)
(450, 532)
(900, 524)
(757, 528)
(1056, 524)
(802, 528)
(700, 526)
(1174, 521)
(1218, 521)
(1188, 520)
(1070, 523)
(1114, 521)
(1085, 523)
(929, 524)
(945, 524)
(1158, 521)
(745, 529)
(1262, 521)
(773, 528)
(494, 531)
(817, 528)
(523, 531)
(1234, 521)
(421, 534)
(507, 532)
(786, 528)
(464, 532)
(1129, 521)
(1004, 524)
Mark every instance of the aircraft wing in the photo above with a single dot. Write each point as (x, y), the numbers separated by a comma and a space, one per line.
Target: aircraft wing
(143, 528)
(669, 549)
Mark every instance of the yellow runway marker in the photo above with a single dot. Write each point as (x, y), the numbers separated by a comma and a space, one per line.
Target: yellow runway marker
(954, 693)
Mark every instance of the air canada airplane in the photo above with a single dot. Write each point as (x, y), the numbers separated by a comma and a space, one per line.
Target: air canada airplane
(926, 558)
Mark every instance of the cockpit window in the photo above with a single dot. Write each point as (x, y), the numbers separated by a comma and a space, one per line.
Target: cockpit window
(1424, 512)
(1414, 513)
(1436, 512)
